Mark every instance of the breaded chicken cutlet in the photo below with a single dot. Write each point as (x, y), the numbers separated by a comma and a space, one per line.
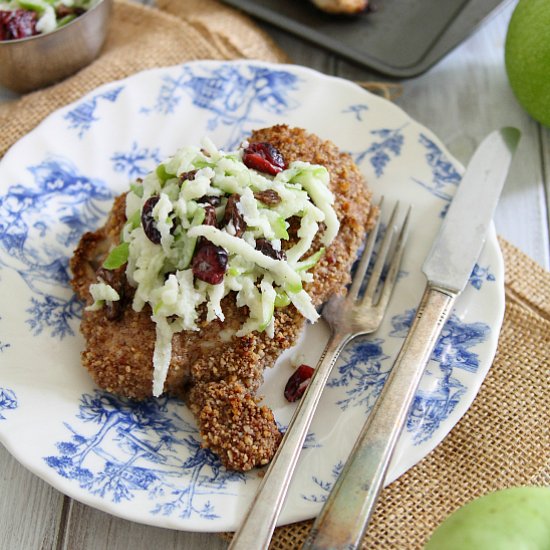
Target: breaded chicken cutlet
(213, 368)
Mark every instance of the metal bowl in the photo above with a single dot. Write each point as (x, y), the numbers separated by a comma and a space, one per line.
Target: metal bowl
(31, 63)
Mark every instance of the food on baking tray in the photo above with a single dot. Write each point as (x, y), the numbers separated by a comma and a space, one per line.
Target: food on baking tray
(24, 18)
(207, 269)
(342, 6)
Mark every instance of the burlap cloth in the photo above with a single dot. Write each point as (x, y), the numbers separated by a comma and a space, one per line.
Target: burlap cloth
(503, 440)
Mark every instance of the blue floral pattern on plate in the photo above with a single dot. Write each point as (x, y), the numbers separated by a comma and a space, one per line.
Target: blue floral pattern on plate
(229, 94)
(8, 401)
(84, 115)
(452, 351)
(136, 448)
(387, 144)
(39, 227)
(360, 371)
(136, 162)
(357, 110)
(481, 275)
(363, 368)
(144, 461)
(445, 176)
(325, 487)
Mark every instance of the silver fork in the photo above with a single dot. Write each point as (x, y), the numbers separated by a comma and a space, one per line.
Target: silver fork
(348, 317)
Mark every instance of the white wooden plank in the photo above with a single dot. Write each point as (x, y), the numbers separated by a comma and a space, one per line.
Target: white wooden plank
(521, 216)
(89, 529)
(30, 510)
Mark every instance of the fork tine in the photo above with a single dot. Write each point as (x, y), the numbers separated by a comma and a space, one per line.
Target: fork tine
(394, 264)
(380, 259)
(365, 257)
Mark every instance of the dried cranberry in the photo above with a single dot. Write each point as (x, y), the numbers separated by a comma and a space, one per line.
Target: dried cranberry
(233, 217)
(268, 196)
(264, 157)
(298, 382)
(209, 263)
(265, 247)
(15, 24)
(187, 176)
(210, 215)
(148, 222)
(210, 199)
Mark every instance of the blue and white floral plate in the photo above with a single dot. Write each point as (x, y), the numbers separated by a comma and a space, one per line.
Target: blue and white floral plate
(144, 461)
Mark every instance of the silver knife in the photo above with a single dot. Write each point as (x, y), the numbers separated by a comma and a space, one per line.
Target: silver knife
(345, 515)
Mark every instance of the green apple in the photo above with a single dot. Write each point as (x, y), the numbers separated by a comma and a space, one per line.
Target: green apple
(527, 57)
(510, 519)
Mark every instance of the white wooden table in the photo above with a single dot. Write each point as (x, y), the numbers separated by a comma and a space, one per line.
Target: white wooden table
(462, 98)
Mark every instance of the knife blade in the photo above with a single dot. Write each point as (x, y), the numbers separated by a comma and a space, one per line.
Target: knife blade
(458, 244)
(345, 515)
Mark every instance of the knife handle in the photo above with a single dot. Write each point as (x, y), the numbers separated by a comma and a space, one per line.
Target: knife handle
(345, 515)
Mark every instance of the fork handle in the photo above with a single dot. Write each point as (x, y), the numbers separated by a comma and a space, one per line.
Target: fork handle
(259, 523)
(345, 515)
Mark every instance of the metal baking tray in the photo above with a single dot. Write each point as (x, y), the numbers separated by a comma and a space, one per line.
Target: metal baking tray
(401, 38)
